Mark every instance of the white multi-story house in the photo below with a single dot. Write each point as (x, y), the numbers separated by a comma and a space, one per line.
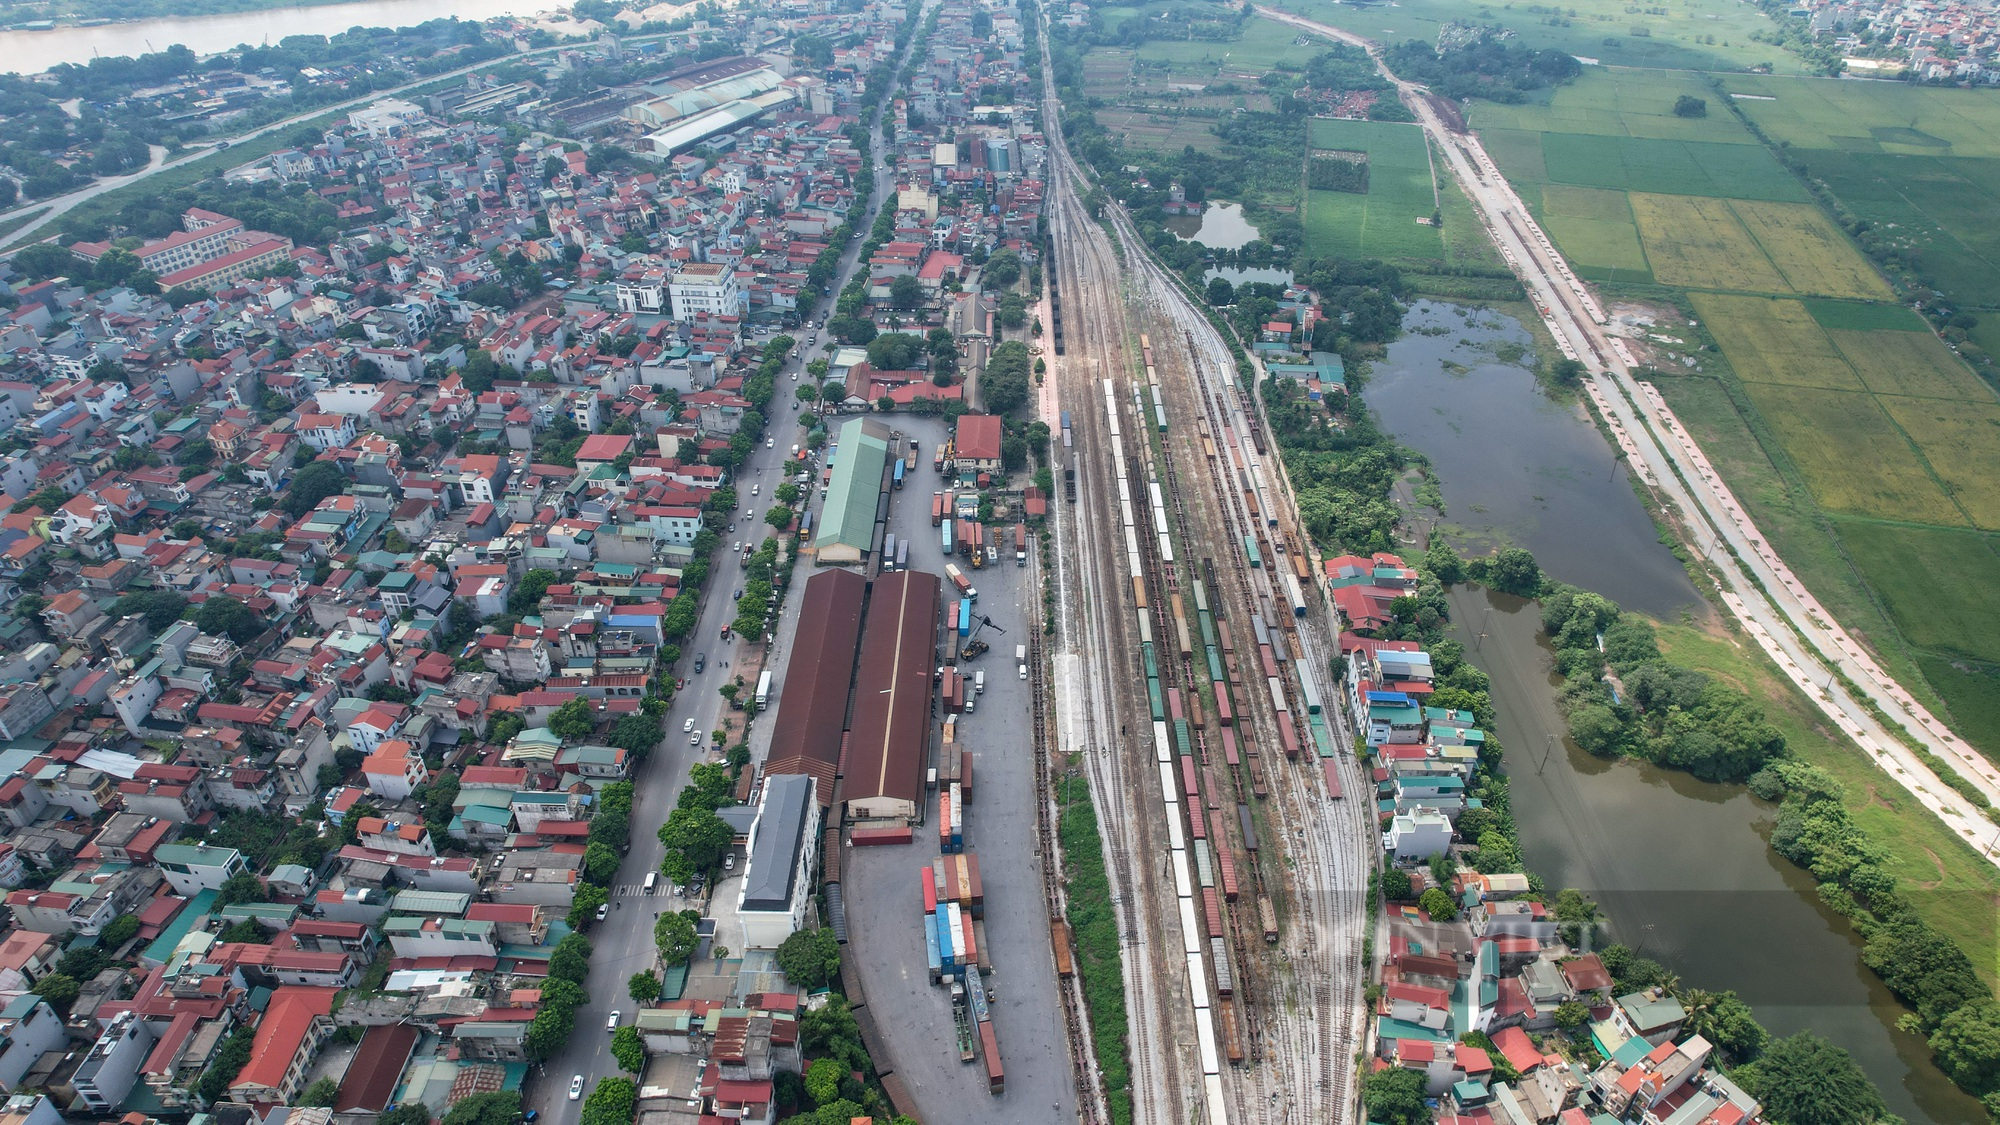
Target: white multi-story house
(705, 287)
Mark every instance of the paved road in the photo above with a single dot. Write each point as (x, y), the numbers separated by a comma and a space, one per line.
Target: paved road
(1759, 589)
(624, 941)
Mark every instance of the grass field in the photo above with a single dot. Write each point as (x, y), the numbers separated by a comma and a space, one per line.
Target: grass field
(1852, 455)
(1865, 318)
(1941, 586)
(1696, 35)
(1961, 440)
(1382, 223)
(1619, 101)
(1666, 167)
(1770, 340)
(1594, 227)
(1165, 132)
(1263, 46)
(1949, 884)
(1697, 243)
(1871, 116)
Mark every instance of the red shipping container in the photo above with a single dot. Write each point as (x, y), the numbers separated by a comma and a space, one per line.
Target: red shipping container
(989, 1044)
(971, 946)
(930, 893)
(978, 888)
(871, 837)
(965, 774)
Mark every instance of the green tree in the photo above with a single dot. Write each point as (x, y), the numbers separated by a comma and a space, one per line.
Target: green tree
(1438, 905)
(555, 1017)
(676, 937)
(1221, 294)
(314, 483)
(1687, 105)
(823, 1081)
(628, 1050)
(1444, 562)
(1005, 383)
(122, 929)
(696, 840)
(571, 959)
(1395, 885)
(1395, 1097)
(526, 596)
(1571, 1015)
(906, 292)
(809, 958)
(573, 721)
(1804, 1080)
(1967, 1045)
(229, 1061)
(1514, 571)
(583, 905)
(1725, 1020)
(321, 1093)
(644, 987)
(600, 863)
(60, 990)
(1567, 372)
(224, 616)
(240, 887)
(409, 1113)
(613, 1101)
(1001, 271)
(496, 1107)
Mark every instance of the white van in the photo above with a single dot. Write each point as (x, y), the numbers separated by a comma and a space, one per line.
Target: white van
(979, 682)
(652, 878)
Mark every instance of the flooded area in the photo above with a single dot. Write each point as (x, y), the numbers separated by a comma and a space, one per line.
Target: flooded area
(1519, 468)
(1220, 227)
(1683, 868)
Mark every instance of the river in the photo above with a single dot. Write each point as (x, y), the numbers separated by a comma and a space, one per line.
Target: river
(30, 52)
(1683, 868)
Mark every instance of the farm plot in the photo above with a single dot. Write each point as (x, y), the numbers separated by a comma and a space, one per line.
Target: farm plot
(1942, 587)
(1852, 455)
(1871, 116)
(1668, 167)
(1771, 340)
(1162, 131)
(1619, 102)
(1961, 440)
(1916, 364)
(1595, 229)
(1383, 222)
(1697, 243)
(1809, 250)
(1264, 46)
(1944, 212)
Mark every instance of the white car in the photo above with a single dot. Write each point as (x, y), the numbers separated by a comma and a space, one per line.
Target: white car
(772, 443)
(576, 1087)
(729, 863)
(687, 727)
(694, 740)
(603, 909)
(612, 1023)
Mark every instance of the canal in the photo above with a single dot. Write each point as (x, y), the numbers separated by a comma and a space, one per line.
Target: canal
(1682, 867)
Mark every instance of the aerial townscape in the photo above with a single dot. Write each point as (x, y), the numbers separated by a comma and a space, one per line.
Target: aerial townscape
(1126, 562)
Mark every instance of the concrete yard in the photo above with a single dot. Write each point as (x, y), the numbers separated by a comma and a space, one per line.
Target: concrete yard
(884, 897)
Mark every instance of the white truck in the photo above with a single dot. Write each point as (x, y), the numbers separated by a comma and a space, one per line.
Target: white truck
(960, 581)
(979, 682)
(1021, 658)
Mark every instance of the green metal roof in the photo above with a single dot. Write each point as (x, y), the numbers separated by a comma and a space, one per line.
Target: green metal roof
(848, 516)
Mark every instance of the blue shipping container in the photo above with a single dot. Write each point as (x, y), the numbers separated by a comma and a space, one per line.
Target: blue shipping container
(965, 618)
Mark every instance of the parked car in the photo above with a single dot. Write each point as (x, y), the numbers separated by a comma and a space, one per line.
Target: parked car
(603, 909)
(612, 1023)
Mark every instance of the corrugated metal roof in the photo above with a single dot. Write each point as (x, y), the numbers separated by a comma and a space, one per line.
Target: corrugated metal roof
(774, 852)
(847, 519)
(812, 710)
(892, 700)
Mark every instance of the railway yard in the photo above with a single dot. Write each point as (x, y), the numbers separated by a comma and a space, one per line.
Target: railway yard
(1238, 872)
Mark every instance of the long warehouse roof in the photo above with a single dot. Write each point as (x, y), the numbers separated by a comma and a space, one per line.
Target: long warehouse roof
(892, 698)
(812, 708)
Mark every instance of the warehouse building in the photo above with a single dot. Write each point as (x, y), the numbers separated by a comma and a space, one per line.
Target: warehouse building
(812, 710)
(846, 532)
(889, 740)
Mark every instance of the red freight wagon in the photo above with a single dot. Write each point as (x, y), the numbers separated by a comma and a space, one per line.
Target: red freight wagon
(1174, 704)
(1331, 766)
(1225, 859)
(1223, 713)
(1288, 735)
(1229, 755)
(1188, 786)
(1195, 718)
(1270, 664)
(1212, 907)
(1197, 824)
(1222, 628)
(1213, 790)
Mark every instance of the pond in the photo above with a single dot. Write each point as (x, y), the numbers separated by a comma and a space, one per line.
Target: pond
(1240, 275)
(1220, 227)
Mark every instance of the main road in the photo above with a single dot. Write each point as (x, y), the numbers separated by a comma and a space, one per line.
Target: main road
(623, 942)
(1827, 664)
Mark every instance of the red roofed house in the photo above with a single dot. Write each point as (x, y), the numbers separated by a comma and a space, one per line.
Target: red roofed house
(977, 443)
(299, 1019)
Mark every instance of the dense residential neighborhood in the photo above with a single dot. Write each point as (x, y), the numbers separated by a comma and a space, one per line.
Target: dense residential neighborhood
(355, 567)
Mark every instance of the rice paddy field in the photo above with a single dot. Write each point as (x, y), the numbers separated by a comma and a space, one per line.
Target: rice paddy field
(1853, 116)
(1617, 101)
(1382, 223)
